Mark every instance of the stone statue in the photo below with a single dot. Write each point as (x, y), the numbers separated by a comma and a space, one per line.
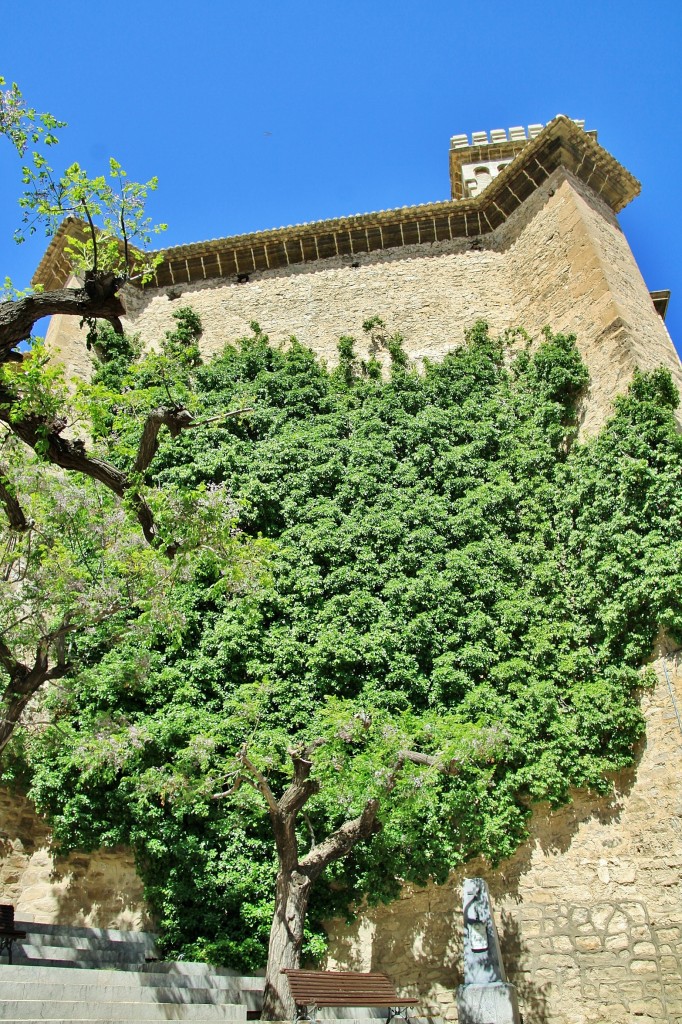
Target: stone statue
(485, 997)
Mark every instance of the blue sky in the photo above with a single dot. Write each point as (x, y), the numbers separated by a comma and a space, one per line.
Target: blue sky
(259, 113)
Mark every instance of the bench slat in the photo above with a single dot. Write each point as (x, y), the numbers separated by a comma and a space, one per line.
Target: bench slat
(342, 988)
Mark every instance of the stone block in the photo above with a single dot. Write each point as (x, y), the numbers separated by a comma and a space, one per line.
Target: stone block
(631, 989)
(588, 943)
(644, 967)
(642, 1007)
(617, 942)
(618, 923)
(644, 949)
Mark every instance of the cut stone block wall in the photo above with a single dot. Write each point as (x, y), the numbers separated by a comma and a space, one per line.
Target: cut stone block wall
(560, 259)
(100, 890)
(589, 910)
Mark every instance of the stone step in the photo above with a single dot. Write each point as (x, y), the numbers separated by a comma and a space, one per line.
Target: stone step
(118, 1011)
(118, 953)
(37, 961)
(177, 974)
(96, 992)
(94, 942)
(189, 968)
(112, 934)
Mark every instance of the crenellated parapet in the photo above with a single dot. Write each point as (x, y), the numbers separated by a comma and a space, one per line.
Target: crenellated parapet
(475, 162)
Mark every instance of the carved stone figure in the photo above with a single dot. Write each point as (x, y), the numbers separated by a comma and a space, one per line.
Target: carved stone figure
(485, 997)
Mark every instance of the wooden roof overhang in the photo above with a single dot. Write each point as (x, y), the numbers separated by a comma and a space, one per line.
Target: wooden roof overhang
(560, 144)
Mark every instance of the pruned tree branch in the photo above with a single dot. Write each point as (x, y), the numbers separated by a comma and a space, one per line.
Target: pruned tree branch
(262, 783)
(342, 841)
(430, 761)
(175, 419)
(46, 438)
(41, 435)
(25, 681)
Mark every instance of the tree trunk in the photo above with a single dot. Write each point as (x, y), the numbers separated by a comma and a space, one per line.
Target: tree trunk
(286, 939)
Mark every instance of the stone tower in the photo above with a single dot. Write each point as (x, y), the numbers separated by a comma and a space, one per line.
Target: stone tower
(591, 906)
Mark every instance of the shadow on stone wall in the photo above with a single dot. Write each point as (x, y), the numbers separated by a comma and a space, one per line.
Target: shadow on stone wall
(417, 940)
(533, 996)
(99, 889)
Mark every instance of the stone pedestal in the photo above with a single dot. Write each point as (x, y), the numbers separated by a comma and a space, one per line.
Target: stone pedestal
(487, 1004)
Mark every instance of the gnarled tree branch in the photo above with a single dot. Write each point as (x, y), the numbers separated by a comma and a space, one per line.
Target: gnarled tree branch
(25, 681)
(342, 841)
(262, 783)
(15, 513)
(42, 436)
(175, 419)
(430, 761)
(97, 300)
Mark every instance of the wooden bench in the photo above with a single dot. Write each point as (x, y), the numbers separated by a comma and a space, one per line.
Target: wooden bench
(8, 933)
(311, 989)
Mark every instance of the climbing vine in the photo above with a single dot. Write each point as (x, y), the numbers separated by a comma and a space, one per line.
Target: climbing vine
(446, 563)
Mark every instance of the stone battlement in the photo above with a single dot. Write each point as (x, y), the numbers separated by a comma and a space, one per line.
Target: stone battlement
(499, 135)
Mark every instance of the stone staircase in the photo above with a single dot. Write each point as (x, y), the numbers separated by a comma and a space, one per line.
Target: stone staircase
(62, 974)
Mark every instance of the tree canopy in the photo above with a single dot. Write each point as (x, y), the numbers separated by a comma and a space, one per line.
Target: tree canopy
(441, 605)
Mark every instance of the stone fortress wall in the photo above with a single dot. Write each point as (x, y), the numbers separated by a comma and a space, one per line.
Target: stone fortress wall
(590, 908)
(560, 259)
(98, 890)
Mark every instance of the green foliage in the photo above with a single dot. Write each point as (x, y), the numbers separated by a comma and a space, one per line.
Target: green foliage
(448, 572)
(24, 125)
(116, 230)
(35, 387)
(183, 343)
(112, 206)
(114, 354)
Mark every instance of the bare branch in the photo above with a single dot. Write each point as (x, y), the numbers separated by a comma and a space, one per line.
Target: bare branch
(73, 455)
(24, 682)
(311, 830)
(430, 761)
(220, 416)
(175, 419)
(11, 665)
(93, 235)
(342, 841)
(302, 787)
(225, 793)
(261, 782)
(124, 235)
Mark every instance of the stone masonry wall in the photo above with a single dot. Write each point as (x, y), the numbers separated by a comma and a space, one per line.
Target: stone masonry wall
(99, 890)
(589, 910)
(570, 266)
(560, 259)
